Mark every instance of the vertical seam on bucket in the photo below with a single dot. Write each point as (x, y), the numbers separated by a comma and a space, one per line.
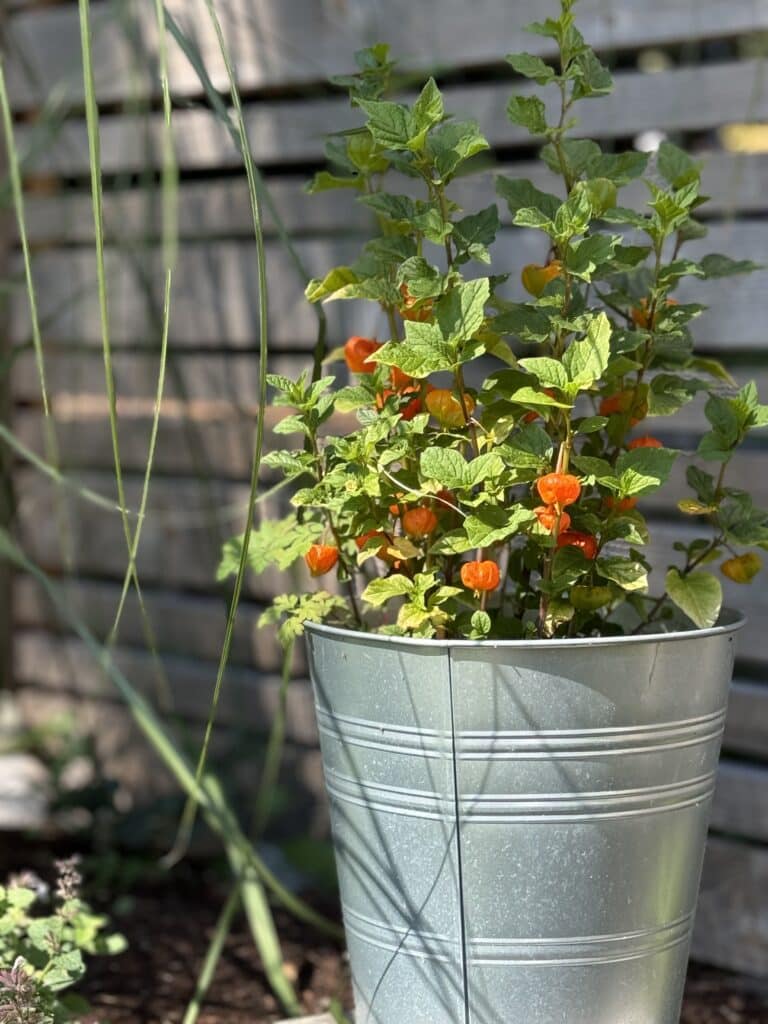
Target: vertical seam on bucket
(459, 869)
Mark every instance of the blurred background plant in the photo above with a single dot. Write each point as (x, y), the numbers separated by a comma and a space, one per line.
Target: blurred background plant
(44, 936)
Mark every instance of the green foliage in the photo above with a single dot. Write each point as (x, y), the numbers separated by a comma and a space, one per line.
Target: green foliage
(435, 473)
(42, 948)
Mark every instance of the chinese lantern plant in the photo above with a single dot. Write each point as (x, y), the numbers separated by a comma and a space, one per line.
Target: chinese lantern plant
(512, 507)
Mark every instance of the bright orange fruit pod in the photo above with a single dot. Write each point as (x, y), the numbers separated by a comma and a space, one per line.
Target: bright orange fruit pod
(585, 542)
(419, 310)
(535, 277)
(382, 552)
(446, 407)
(400, 380)
(641, 314)
(321, 558)
(644, 442)
(624, 402)
(479, 576)
(356, 353)
(410, 409)
(532, 416)
(620, 504)
(548, 517)
(558, 489)
(419, 521)
(742, 568)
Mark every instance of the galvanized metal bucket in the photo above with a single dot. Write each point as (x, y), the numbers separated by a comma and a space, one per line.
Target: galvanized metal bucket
(520, 826)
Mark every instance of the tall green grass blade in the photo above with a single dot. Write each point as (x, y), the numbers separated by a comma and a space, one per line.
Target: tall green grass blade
(213, 955)
(257, 911)
(265, 793)
(192, 53)
(18, 202)
(188, 815)
(94, 159)
(49, 428)
(170, 178)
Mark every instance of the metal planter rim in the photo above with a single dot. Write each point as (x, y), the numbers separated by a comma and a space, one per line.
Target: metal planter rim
(729, 621)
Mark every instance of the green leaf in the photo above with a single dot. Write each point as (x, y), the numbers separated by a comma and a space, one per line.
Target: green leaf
(698, 594)
(590, 424)
(583, 258)
(291, 611)
(491, 525)
(275, 542)
(390, 124)
(424, 351)
(379, 591)
(453, 143)
(473, 234)
(592, 76)
(627, 573)
(525, 321)
(324, 181)
(333, 282)
(585, 361)
(599, 470)
(352, 398)
(531, 67)
(489, 464)
(530, 397)
(529, 112)
(676, 166)
(481, 625)
(569, 564)
(669, 392)
(620, 168)
(530, 447)
(461, 312)
(424, 281)
(521, 194)
(573, 217)
(580, 157)
(445, 465)
(715, 265)
(427, 111)
(68, 967)
(644, 470)
(19, 897)
(548, 372)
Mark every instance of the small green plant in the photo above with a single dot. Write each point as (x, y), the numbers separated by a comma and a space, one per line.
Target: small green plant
(511, 508)
(41, 954)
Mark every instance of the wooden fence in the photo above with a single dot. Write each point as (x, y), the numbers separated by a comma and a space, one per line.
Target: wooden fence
(708, 72)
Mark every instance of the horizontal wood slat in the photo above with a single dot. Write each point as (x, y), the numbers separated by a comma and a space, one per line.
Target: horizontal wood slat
(183, 625)
(221, 207)
(748, 719)
(283, 131)
(732, 920)
(65, 664)
(214, 299)
(302, 41)
(741, 801)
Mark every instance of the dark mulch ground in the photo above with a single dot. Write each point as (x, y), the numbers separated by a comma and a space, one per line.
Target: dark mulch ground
(168, 931)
